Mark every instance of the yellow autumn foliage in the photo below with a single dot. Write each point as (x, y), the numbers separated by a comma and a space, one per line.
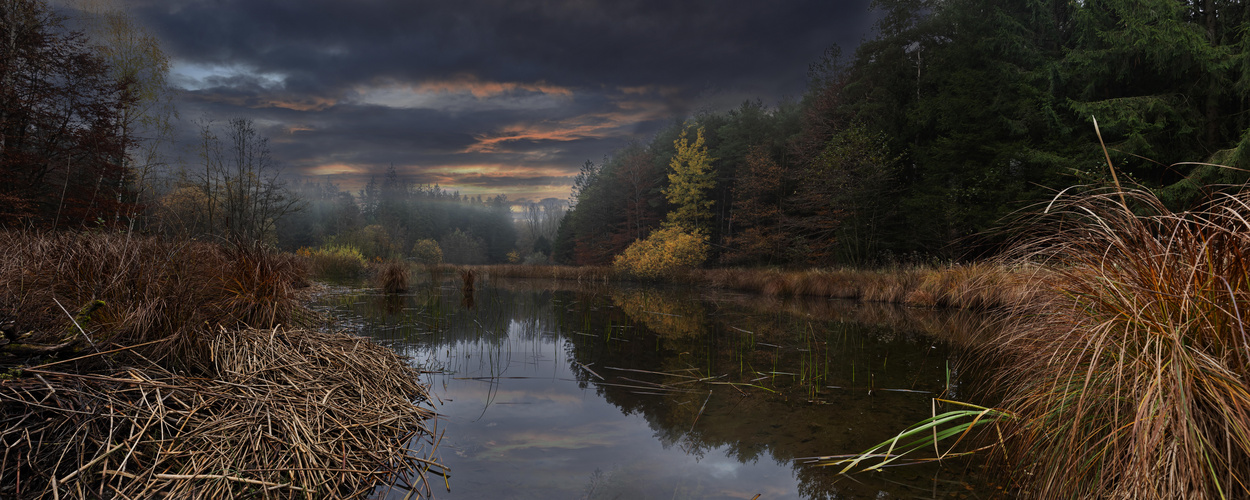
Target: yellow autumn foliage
(667, 315)
(334, 261)
(665, 253)
(427, 252)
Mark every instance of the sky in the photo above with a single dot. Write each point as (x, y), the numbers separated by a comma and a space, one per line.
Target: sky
(483, 96)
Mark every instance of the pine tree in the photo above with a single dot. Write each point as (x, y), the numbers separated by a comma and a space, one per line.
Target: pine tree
(692, 176)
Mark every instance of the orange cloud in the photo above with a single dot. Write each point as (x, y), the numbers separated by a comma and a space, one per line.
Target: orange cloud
(313, 103)
(335, 169)
(590, 126)
(481, 89)
(497, 169)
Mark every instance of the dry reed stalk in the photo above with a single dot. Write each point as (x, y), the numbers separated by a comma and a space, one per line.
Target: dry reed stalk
(392, 276)
(289, 414)
(1130, 372)
(974, 286)
(150, 289)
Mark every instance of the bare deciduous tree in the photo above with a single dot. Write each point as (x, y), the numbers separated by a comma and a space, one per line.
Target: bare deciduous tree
(240, 195)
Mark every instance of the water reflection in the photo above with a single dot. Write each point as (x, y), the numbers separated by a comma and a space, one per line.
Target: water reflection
(645, 393)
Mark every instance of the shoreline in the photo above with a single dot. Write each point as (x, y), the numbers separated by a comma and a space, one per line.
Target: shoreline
(165, 388)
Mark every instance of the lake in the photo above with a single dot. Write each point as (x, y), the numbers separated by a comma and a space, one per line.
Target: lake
(596, 392)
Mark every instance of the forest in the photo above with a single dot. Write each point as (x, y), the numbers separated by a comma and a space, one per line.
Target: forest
(914, 148)
(1115, 133)
(954, 116)
(88, 141)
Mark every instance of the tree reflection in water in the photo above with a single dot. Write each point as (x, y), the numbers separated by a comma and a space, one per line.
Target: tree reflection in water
(599, 392)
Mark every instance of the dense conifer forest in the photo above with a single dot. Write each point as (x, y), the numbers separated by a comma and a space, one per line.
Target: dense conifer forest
(954, 115)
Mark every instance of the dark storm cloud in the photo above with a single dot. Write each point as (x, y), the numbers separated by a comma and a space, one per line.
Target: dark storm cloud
(572, 42)
(535, 84)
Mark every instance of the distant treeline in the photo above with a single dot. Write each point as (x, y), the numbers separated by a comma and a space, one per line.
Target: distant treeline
(387, 218)
(957, 113)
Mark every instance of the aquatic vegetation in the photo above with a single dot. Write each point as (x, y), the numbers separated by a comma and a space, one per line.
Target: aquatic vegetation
(392, 276)
(334, 261)
(951, 427)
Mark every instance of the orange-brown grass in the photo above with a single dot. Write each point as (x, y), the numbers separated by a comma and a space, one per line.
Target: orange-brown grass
(334, 261)
(1132, 378)
(174, 395)
(285, 414)
(392, 276)
(971, 286)
(584, 274)
(150, 289)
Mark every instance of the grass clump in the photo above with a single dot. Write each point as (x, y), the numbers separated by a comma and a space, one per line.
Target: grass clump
(135, 367)
(138, 290)
(1132, 379)
(392, 276)
(335, 261)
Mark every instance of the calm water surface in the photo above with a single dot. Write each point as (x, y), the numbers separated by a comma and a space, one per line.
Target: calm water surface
(642, 393)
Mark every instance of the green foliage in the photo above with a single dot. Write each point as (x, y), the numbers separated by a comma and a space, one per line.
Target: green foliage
(957, 114)
(839, 205)
(691, 178)
(536, 259)
(663, 254)
(427, 252)
(926, 434)
(334, 261)
(462, 248)
(386, 219)
(372, 241)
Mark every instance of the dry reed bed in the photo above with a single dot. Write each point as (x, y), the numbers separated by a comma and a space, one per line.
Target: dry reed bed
(977, 286)
(150, 289)
(291, 413)
(1132, 380)
(167, 390)
(580, 274)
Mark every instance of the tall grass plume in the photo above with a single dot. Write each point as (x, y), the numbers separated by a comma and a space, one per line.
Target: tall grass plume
(392, 276)
(1132, 378)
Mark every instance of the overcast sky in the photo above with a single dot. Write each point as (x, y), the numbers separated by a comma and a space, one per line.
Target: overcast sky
(483, 96)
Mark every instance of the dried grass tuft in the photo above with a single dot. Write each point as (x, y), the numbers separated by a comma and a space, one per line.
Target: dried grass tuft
(1131, 378)
(165, 389)
(392, 276)
(149, 289)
